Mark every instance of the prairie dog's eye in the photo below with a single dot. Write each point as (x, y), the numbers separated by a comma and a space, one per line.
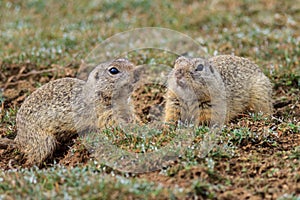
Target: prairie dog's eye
(200, 67)
(113, 71)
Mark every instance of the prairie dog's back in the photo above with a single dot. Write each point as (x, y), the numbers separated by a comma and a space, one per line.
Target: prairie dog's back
(247, 88)
(235, 70)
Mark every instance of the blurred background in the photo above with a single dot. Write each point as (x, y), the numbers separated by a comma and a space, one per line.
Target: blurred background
(58, 32)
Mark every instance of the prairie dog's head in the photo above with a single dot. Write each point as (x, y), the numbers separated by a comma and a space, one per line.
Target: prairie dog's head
(112, 78)
(191, 75)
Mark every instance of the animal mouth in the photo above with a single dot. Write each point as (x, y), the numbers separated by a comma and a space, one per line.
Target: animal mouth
(180, 82)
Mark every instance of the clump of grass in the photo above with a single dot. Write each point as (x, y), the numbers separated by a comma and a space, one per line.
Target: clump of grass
(83, 182)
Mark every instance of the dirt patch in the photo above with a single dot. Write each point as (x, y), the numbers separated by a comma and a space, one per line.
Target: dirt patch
(149, 102)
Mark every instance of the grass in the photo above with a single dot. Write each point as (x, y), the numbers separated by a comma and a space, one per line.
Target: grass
(254, 157)
(61, 182)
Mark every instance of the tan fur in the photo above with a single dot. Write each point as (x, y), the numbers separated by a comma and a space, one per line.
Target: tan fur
(62, 108)
(230, 81)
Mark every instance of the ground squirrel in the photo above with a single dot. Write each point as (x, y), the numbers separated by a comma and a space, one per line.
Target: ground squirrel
(61, 108)
(194, 81)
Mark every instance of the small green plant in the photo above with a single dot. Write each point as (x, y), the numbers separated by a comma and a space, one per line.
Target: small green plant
(238, 136)
(203, 189)
(295, 153)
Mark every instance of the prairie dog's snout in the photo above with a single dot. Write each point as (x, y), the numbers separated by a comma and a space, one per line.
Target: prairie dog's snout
(179, 76)
(180, 71)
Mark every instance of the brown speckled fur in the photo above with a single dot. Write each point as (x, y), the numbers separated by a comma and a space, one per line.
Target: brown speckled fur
(61, 108)
(245, 87)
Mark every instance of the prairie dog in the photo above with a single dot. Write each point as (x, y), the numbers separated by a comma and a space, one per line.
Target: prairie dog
(198, 88)
(61, 108)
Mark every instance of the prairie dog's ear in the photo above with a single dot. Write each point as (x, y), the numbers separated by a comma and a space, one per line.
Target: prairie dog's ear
(211, 68)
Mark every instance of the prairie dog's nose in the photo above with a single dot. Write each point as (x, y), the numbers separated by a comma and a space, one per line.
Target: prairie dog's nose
(179, 73)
